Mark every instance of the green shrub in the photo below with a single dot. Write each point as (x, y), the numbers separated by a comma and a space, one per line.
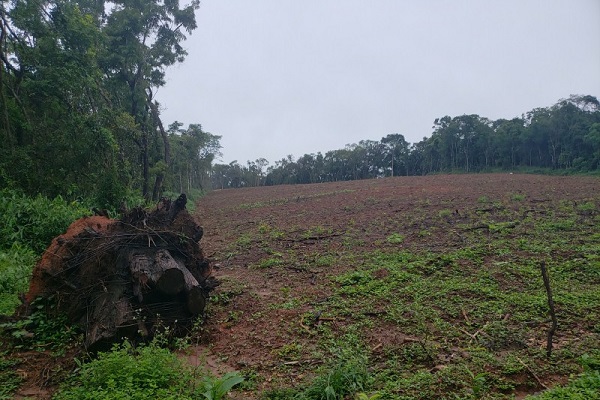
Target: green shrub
(8, 376)
(145, 372)
(42, 329)
(34, 222)
(347, 376)
(16, 265)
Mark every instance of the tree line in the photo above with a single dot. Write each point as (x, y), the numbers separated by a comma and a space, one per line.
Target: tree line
(78, 109)
(565, 136)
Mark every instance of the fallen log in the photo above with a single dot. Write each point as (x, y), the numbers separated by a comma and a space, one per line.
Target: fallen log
(126, 277)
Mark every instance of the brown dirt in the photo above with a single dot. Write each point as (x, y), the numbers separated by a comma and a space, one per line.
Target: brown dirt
(252, 330)
(247, 329)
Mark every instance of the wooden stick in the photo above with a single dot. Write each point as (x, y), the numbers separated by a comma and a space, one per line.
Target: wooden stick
(551, 307)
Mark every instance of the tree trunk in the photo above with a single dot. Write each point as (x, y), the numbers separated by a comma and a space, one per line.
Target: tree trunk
(167, 149)
(127, 277)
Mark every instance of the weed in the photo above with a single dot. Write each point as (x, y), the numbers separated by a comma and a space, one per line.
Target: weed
(34, 222)
(16, 265)
(424, 233)
(518, 197)
(587, 206)
(244, 241)
(8, 376)
(395, 238)
(347, 376)
(144, 372)
(326, 260)
(217, 388)
(289, 351)
(444, 213)
(270, 262)
(42, 329)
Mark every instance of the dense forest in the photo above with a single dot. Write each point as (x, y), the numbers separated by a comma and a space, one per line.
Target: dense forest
(565, 136)
(78, 112)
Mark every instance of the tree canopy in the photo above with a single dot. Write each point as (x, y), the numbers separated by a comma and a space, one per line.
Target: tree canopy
(78, 113)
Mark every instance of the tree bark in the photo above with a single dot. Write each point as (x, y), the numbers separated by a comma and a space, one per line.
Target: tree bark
(161, 272)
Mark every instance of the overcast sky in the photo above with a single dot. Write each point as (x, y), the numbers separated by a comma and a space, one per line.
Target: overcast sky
(279, 77)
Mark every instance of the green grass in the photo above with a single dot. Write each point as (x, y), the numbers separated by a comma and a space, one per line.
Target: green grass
(477, 315)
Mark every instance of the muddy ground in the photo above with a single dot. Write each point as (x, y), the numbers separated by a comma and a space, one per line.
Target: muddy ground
(309, 228)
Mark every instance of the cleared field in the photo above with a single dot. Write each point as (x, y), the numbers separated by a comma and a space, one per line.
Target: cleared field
(411, 287)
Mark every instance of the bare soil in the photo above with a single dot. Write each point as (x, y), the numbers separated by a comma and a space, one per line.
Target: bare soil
(277, 246)
(300, 224)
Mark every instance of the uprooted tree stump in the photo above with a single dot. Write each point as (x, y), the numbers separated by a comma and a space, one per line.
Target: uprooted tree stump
(127, 277)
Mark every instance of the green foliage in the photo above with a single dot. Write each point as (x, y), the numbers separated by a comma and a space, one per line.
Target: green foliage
(8, 376)
(16, 265)
(27, 226)
(34, 222)
(78, 106)
(347, 376)
(42, 329)
(144, 372)
(564, 138)
(395, 238)
(585, 386)
(217, 388)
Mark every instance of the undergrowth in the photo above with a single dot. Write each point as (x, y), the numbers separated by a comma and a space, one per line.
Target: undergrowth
(34, 222)
(143, 372)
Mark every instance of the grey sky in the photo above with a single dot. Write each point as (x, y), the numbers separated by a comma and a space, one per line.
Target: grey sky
(278, 77)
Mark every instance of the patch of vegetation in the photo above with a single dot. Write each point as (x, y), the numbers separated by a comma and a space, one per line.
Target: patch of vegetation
(517, 197)
(484, 300)
(16, 264)
(34, 222)
(585, 386)
(27, 226)
(270, 262)
(345, 376)
(41, 330)
(8, 376)
(144, 372)
(395, 238)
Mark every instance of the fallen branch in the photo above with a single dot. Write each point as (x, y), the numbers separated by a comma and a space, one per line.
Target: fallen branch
(304, 239)
(533, 374)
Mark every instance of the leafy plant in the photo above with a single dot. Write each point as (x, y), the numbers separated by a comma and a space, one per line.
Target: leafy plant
(217, 388)
(395, 238)
(139, 373)
(8, 376)
(347, 376)
(34, 222)
(16, 265)
(42, 329)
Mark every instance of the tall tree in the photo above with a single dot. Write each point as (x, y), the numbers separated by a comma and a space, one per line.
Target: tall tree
(144, 38)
